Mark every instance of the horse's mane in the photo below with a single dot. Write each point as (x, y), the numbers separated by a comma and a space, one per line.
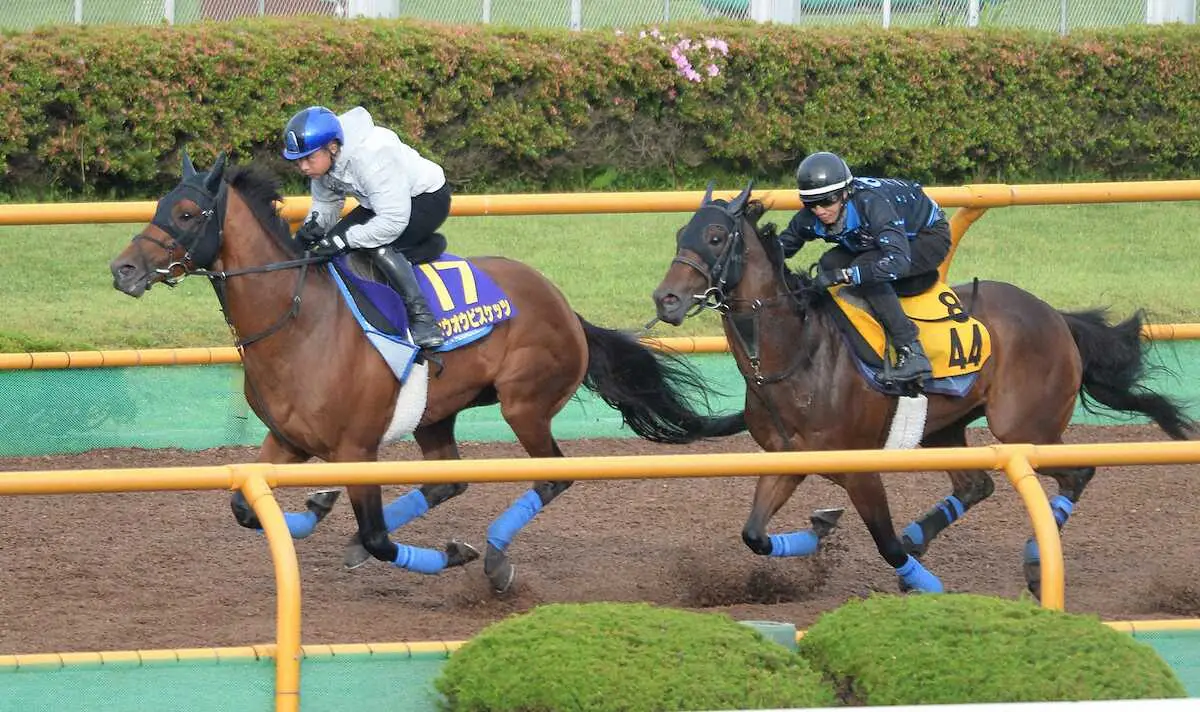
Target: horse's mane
(768, 234)
(259, 189)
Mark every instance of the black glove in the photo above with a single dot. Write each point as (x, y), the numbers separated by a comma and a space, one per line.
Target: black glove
(827, 278)
(329, 246)
(310, 232)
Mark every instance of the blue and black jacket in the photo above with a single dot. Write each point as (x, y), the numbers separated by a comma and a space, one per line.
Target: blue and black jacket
(881, 214)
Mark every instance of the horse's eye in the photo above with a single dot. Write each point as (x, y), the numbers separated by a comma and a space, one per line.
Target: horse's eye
(715, 238)
(185, 216)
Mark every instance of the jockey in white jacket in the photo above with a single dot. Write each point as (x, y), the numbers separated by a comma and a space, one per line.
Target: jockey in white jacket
(403, 199)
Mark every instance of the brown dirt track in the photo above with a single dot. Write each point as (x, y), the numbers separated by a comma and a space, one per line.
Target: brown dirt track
(165, 570)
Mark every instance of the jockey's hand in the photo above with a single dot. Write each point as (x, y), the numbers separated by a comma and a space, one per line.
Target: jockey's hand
(310, 233)
(827, 278)
(329, 246)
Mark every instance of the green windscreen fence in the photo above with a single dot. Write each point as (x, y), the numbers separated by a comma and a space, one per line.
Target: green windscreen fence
(327, 683)
(199, 407)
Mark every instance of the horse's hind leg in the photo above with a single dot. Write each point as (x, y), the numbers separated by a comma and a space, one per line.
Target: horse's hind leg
(1071, 483)
(1041, 423)
(437, 442)
(531, 424)
(970, 487)
(300, 524)
(870, 499)
(770, 494)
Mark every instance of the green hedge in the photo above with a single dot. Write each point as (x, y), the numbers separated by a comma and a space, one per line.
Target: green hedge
(961, 649)
(605, 657)
(105, 110)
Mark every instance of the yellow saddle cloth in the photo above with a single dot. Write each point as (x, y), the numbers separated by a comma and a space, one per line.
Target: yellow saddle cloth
(956, 343)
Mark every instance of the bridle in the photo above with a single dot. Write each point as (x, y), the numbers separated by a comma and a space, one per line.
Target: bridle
(192, 251)
(722, 275)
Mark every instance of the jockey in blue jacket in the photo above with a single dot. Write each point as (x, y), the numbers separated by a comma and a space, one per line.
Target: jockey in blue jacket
(884, 230)
(403, 198)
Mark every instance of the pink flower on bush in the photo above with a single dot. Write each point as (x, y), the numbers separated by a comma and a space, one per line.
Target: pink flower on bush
(707, 51)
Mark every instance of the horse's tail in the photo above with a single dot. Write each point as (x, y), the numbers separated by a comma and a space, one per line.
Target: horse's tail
(1114, 364)
(653, 392)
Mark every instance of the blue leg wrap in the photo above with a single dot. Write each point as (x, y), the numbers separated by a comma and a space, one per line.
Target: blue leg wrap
(916, 576)
(1062, 508)
(423, 561)
(952, 507)
(300, 524)
(1032, 554)
(404, 509)
(506, 526)
(794, 544)
(915, 534)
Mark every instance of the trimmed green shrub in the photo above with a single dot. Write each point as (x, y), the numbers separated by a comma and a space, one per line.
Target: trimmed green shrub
(958, 648)
(106, 110)
(610, 656)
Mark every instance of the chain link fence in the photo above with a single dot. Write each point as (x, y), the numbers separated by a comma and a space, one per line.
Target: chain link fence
(1050, 15)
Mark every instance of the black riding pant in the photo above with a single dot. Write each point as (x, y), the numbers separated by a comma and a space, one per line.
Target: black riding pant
(928, 249)
(420, 241)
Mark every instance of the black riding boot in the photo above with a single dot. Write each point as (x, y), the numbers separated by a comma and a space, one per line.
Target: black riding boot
(425, 331)
(911, 362)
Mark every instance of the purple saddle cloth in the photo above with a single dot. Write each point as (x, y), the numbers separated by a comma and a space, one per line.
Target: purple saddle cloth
(465, 301)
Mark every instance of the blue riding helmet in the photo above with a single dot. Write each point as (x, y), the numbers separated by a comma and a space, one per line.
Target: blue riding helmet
(309, 130)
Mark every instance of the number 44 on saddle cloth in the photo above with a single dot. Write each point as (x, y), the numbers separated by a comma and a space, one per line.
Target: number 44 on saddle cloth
(958, 345)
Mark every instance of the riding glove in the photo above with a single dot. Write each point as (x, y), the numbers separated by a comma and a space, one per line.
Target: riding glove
(310, 233)
(329, 246)
(830, 277)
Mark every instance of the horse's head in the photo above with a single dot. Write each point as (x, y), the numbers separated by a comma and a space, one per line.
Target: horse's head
(184, 234)
(709, 257)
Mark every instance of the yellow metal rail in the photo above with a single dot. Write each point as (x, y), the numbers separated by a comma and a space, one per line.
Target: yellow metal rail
(256, 479)
(996, 195)
(34, 360)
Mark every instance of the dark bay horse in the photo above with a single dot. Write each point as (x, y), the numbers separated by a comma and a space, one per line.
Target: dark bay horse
(804, 391)
(323, 391)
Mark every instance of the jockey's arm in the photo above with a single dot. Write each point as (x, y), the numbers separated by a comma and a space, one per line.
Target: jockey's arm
(388, 191)
(887, 227)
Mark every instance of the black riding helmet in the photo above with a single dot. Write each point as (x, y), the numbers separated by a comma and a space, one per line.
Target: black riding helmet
(821, 176)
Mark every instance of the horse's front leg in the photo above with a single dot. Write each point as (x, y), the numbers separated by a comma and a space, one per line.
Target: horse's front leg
(870, 499)
(367, 501)
(769, 495)
(300, 524)
(970, 488)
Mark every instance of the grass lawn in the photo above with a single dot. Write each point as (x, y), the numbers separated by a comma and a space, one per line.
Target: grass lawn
(57, 291)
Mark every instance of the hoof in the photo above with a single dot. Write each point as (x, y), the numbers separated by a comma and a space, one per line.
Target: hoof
(321, 502)
(1033, 579)
(499, 570)
(243, 513)
(460, 553)
(355, 555)
(824, 521)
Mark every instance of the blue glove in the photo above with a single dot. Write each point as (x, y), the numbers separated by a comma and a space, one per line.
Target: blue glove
(329, 246)
(310, 233)
(827, 278)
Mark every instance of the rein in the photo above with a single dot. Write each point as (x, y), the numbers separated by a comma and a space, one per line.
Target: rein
(743, 319)
(209, 237)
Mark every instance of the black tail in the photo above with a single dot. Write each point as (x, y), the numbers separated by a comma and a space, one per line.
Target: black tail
(651, 390)
(1114, 364)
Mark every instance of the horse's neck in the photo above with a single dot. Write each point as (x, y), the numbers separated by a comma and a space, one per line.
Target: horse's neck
(257, 302)
(785, 339)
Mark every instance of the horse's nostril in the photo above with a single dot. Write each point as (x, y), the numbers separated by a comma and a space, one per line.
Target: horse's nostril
(125, 271)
